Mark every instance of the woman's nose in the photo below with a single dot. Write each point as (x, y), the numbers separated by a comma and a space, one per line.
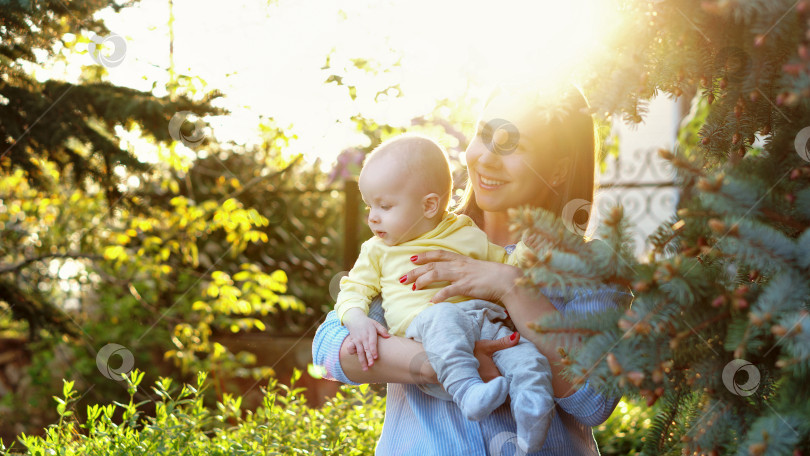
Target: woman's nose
(486, 156)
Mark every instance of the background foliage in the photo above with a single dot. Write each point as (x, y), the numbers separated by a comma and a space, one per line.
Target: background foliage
(717, 335)
(184, 424)
(98, 245)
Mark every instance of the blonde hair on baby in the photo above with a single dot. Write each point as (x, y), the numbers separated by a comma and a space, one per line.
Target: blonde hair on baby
(423, 159)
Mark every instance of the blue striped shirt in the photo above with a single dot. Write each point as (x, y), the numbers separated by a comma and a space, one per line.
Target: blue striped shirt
(421, 425)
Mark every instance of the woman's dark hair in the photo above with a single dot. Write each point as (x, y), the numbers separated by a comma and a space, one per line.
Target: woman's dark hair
(571, 129)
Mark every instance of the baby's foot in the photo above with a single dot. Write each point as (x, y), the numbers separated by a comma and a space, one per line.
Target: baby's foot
(481, 399)
(530, 443)
(533, 420)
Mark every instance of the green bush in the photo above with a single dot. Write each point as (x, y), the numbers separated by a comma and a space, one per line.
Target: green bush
(623, 432)
(184, 425)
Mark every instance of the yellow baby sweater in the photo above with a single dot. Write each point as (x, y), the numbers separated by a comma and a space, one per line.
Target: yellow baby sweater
(380, 266)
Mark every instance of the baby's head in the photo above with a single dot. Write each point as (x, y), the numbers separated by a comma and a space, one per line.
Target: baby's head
(406, 184)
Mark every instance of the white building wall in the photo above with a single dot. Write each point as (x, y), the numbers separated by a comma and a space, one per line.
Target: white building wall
(638, 178)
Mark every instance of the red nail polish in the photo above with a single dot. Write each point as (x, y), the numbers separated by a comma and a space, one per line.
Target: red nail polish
(512, 337)
(413, 258)
(403, 279)
(413, 287)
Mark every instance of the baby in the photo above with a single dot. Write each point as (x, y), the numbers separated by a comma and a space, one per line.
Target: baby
(406, 183)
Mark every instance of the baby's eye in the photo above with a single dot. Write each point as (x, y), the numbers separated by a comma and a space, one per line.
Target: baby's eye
(385, 207)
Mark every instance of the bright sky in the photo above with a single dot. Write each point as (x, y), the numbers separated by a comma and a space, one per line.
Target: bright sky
(267, 59)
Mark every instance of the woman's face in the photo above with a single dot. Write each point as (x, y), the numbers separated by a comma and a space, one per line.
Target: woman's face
(509, 165)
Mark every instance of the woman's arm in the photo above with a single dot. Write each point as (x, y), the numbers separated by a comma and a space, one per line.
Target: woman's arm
(492, 282)
(400, 360)
(524, 308)
(496, 282)
(584, 403)
(587, 405)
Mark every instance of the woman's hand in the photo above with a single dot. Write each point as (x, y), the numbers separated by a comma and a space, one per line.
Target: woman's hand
(474, 278)
(484, 349)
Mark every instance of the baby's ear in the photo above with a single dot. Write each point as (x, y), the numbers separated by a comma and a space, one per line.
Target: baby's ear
(430, 205)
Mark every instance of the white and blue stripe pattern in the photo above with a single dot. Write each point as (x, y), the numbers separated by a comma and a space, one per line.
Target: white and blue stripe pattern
(417, 424)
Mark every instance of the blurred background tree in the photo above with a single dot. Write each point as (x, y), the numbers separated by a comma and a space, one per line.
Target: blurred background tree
(124, 219)
(99, 246)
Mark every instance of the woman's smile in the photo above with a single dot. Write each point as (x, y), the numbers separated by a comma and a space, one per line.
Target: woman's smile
(488, 183)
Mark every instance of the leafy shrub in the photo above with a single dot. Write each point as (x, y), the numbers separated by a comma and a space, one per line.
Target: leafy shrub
(623, 432)
(184, 425)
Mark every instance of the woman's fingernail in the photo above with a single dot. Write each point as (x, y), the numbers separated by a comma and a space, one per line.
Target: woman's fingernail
(507, 312)
(413, 258)
(414, 287)
(512, 337)
(403, 279)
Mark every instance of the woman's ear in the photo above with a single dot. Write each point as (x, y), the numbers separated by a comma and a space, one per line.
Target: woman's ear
(561, 171)
(430, 205)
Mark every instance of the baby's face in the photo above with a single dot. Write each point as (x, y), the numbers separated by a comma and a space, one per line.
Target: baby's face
(395, 210)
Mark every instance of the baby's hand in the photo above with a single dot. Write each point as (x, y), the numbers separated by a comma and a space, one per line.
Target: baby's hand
(363, 331)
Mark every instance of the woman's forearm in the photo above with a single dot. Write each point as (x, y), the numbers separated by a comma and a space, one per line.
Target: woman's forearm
(400, 360)
(524, 308)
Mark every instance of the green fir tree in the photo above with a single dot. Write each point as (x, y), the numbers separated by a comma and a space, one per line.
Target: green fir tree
(70, 126)
(73, 124)
(718, 332)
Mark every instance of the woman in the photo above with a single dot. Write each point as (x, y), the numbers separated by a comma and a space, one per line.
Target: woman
(525, 152)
